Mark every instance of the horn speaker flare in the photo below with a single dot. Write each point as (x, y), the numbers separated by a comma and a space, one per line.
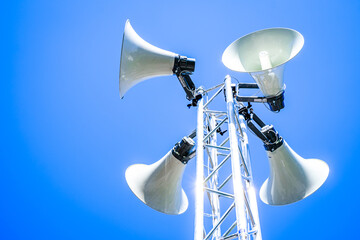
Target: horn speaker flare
(292, 178)
(263, 55)
(159, 185)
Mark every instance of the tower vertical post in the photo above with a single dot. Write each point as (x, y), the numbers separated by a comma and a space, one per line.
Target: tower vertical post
(199, 185)
(239, 198)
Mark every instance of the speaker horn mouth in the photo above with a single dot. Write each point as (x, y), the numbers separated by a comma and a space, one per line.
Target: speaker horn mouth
(141, 60)
(121, 59)
(281, 44)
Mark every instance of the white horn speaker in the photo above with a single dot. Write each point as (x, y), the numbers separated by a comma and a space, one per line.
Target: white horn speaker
(140, 60)
(263, 54)
(159, 185)
(292, 177)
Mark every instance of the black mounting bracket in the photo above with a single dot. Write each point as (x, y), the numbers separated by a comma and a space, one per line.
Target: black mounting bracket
(194, 100)
(183, 68)
(276, 103)
(267, 133)
(183, 150)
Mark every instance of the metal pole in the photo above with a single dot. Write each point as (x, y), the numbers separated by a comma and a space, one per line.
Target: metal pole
(250, 185)
(235, 164)
(199, 185)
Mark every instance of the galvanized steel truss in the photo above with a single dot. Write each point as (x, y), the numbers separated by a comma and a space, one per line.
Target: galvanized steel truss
(223, 211)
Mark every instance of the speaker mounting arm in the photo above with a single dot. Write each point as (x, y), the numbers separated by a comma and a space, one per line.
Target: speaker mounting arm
(276, 103)
(267, 133)
(183, 68)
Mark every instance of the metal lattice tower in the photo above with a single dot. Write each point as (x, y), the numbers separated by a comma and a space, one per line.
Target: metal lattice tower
(225, 201)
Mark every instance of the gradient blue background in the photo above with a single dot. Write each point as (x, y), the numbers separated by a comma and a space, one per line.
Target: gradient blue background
(67, 138)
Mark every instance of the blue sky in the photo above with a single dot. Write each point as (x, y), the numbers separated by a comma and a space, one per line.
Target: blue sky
(67, 138)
